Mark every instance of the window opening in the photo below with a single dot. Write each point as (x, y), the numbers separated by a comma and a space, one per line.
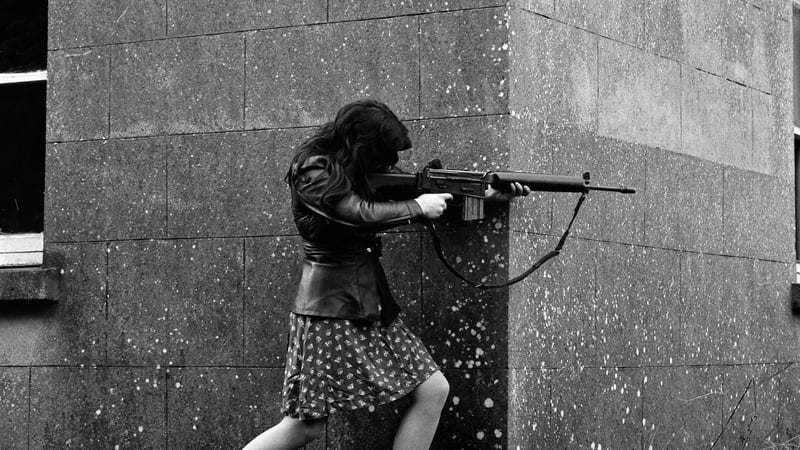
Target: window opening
(23, 99)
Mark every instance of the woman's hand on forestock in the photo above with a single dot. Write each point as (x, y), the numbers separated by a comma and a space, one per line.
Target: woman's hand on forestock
(433, 205)
(516, 190)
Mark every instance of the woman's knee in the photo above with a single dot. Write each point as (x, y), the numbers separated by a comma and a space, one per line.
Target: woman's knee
(435, 389)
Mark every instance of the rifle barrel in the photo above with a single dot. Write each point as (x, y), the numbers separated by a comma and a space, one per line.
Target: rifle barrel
(620, 189)
(552, 183)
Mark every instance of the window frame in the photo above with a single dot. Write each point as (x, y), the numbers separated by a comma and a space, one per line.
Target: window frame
(22, 249)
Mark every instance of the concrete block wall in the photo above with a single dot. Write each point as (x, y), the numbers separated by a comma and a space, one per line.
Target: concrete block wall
(170, 125)
(666, 320)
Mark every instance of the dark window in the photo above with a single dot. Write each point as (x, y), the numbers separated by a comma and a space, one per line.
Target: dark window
(23, 58)
(23, 35)
(22, 123)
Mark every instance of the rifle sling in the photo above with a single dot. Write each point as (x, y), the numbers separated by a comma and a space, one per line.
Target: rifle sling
(437, 242)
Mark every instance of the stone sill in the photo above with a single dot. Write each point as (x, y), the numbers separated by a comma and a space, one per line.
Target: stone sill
(34, 284)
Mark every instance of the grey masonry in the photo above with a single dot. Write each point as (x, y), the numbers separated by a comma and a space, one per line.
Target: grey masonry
(665, 321)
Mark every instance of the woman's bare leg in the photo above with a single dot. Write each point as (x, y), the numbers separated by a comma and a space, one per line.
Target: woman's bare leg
(288, 434)
(422, 417)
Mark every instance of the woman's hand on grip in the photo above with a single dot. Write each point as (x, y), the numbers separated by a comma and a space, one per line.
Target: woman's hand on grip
(433, 205)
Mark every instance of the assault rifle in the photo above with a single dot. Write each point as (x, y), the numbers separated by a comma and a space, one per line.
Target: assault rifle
(471, 186)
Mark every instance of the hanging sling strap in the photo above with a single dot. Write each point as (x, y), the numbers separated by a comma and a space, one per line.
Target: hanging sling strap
(437, 244)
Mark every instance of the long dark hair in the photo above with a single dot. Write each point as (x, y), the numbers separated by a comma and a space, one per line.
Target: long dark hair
(365, 136)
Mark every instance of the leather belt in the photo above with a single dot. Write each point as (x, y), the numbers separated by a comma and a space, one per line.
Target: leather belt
(313, 250)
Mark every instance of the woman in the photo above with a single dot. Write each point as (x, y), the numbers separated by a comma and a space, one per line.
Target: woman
(347, 347)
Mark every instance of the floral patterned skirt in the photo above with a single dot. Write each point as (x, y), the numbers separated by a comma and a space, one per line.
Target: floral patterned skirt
(341, 365)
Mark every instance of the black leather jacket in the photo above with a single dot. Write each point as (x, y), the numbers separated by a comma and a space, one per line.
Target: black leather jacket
(342, 275)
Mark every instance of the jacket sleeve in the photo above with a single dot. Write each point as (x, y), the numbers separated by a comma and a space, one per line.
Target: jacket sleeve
(357, 210)
(311, 179)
